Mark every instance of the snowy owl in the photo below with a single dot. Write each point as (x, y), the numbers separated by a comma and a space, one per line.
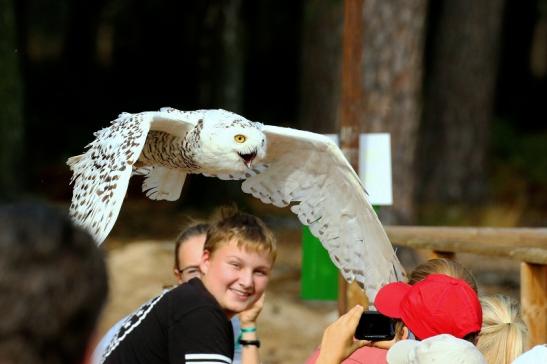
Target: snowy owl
(281, 166)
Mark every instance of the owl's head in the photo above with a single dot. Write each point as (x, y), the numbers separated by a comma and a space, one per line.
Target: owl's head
(229, 142)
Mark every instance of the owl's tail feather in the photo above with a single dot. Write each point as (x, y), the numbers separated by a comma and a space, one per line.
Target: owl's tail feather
(164, 183)
(72, 161)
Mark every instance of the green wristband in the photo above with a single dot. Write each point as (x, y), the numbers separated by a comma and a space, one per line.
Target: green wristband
(244, 330)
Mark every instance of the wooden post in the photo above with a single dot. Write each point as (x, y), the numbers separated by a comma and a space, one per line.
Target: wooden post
(355, 296)
(533, 298)
(440, 254)
(528, 245)
(350, 109)
(342, 295)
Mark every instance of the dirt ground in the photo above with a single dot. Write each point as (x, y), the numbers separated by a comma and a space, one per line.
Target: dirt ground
(289, 327)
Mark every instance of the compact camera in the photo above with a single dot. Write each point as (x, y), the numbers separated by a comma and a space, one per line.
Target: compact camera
(374, 326)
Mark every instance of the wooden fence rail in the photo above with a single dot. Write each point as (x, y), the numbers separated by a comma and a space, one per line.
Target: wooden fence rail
(527, 245)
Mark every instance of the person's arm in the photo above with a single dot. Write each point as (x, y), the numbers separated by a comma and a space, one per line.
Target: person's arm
(250, 353)
(338, 343)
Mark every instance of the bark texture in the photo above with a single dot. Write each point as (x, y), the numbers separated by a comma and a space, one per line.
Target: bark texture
(320, 65)
(460, 88)
(394, 37)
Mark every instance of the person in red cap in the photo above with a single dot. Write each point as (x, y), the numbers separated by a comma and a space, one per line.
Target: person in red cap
(375, 352)
(439, 304)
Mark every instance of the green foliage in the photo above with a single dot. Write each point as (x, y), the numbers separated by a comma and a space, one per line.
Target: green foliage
(517, 179)
(524, 154)
(48, 17)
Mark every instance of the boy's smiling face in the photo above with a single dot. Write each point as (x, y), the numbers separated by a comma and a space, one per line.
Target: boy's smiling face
(236, 277)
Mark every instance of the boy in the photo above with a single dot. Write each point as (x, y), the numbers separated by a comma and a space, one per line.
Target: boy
(190, 323)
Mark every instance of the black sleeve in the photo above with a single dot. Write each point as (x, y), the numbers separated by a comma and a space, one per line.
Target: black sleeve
(203, 335)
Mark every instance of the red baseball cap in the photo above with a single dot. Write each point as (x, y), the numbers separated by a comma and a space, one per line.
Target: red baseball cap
(439, 304)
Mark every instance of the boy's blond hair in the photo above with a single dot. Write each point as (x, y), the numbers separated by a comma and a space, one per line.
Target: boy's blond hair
(249, 232)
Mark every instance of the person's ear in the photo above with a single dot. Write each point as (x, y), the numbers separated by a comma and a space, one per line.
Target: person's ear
(405, 334)
(205, 261)
(178, 276)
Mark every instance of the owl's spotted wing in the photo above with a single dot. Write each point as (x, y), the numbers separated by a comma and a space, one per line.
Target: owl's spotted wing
(309, 172)
(102, 174)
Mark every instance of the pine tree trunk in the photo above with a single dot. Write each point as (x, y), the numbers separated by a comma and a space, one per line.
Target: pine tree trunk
(392, 85)
(392, 75)
(231, 83)
(320, 65)
(460, 95)
(11, 99)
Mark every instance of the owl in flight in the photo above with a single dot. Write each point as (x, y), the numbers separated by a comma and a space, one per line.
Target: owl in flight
(281, 166)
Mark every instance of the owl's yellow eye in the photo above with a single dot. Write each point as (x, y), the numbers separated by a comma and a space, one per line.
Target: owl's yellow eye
(240, 138)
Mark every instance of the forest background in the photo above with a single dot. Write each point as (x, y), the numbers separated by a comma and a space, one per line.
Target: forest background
(461, 86)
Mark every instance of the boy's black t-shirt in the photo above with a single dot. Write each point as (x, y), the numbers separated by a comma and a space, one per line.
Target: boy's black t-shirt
(183, 325)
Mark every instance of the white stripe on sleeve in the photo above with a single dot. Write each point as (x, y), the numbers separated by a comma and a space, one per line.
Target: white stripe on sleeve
(207, 359)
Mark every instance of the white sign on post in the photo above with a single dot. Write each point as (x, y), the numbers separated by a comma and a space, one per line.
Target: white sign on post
(374, 166)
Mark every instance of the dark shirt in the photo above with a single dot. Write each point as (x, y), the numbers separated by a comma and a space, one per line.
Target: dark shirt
(183, 325)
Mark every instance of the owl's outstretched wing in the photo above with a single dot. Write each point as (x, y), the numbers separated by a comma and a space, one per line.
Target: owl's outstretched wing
(102, 174)
(309, 172)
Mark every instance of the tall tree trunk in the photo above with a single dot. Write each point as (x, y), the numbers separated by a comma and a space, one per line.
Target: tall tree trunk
(231, 80)
(460, 93)
(79, 78)
(79, 53)
(222, 55)
(392, 85)
(11, 99)
(320, 65)
(391, 80)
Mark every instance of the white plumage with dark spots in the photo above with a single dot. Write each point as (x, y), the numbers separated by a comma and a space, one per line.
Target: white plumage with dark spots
(281, 166)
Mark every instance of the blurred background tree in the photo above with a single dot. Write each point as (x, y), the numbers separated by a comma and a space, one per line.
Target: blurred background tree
(459, 85)
(464, 42)
(11, 97)
(393, 57)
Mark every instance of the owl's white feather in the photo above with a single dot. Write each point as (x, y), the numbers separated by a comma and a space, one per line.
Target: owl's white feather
(309, 172)
(281, 166)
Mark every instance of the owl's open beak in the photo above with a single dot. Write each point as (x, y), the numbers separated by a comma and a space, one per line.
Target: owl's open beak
(248, 158)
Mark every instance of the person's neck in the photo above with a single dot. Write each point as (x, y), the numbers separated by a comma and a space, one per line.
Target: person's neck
(229, 314)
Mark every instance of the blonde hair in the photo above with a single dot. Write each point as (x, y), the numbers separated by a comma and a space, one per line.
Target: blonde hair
(247, 230)
(442, 266)
(436, 266)
(504, 334)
